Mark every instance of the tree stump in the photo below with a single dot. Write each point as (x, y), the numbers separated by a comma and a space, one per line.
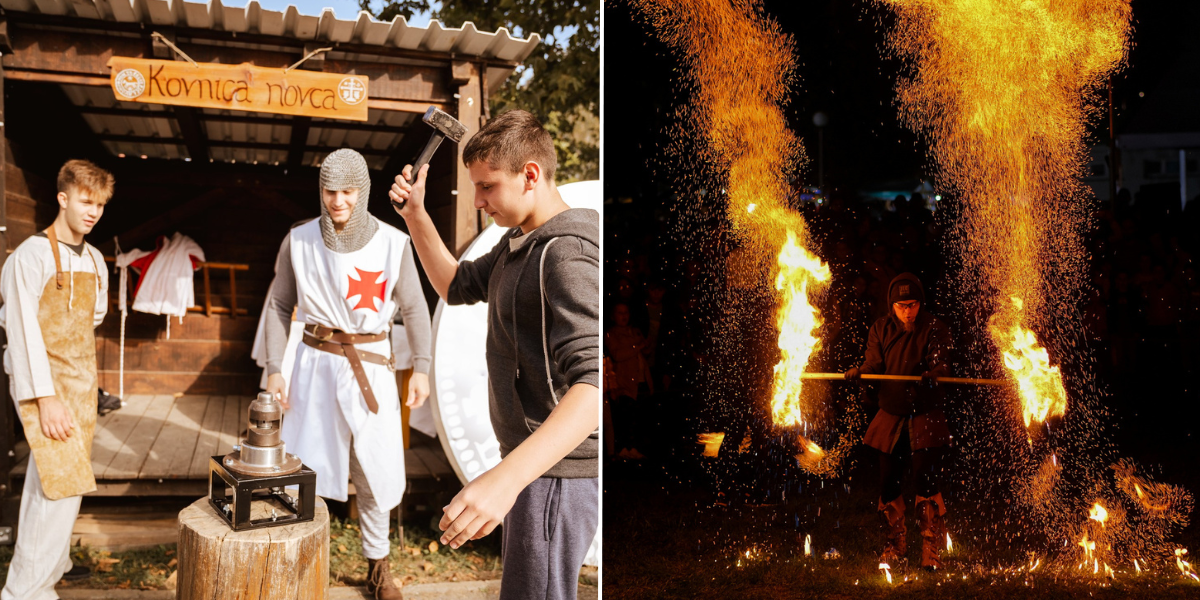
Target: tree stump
(286, 562)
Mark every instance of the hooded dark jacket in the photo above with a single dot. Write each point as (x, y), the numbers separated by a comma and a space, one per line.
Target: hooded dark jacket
(893, 351)
(507, 279)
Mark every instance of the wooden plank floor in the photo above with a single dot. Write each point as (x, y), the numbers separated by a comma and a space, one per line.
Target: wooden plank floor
(161, 438)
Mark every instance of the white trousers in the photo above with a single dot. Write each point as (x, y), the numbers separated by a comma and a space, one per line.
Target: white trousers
(372, 520)
(42, 554)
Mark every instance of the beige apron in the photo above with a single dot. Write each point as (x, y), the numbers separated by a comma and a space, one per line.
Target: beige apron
(68, 332)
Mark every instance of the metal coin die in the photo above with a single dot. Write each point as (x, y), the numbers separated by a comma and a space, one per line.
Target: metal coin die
(260, 469)
(262, 453)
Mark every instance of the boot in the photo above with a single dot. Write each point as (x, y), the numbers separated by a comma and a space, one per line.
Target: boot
(379, 581)
(930, 512)
(891, 516)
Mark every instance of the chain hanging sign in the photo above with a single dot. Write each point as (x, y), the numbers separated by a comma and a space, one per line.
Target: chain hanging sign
(240, 87)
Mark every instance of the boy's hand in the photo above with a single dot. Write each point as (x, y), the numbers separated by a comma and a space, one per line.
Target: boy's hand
(418, 390)
(278, 387)
(408, 196)
(478, 508)
(57, 422)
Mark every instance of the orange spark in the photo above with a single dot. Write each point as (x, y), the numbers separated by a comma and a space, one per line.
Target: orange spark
(1003, 89)
(738, 114)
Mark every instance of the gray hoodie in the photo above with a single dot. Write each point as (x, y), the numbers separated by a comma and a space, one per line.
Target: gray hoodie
(507, 278)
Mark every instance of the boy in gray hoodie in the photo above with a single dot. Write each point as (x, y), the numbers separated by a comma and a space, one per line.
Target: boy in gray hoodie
(541, 284)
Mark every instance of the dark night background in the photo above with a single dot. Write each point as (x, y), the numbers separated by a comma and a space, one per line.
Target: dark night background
(1142, 317)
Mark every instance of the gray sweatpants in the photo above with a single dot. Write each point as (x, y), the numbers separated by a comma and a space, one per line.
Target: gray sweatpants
(546, 537)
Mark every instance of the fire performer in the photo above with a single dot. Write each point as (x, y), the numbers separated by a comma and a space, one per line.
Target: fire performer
(346, 274)
(541, 284)
(55, 294)
(910, 425)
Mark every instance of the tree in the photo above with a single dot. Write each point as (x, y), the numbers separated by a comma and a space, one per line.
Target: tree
(559, 82)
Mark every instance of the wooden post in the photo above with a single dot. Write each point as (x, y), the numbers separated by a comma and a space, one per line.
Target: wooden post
(286, 562)
(233, 310)
(7, 412)
(207, 293)
(465, 76)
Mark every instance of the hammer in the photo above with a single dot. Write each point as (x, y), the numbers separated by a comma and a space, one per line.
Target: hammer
(444, 126)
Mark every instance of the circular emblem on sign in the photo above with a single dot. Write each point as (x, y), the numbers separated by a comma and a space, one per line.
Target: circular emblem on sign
(130, 83)
(352, 91)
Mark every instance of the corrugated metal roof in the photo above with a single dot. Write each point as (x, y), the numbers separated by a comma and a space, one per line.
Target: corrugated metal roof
(290, 23)
(155, 121)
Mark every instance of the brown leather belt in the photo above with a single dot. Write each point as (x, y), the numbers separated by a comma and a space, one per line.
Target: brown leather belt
(335, 341)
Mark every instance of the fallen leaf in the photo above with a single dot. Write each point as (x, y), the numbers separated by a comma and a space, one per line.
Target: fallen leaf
(174, 561)
(106, 564)
(428, 566)
(414, 551)
(433, 547)
(342, 548)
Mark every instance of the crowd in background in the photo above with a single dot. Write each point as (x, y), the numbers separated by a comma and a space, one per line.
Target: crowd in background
(1140, 313)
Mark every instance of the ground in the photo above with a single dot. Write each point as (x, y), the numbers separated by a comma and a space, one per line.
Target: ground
(419, 560)
(681, 539)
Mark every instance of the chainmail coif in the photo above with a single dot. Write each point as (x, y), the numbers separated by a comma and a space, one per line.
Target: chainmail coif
(346, 169)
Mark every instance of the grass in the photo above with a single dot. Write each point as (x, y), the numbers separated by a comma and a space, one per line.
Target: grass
(420, 559)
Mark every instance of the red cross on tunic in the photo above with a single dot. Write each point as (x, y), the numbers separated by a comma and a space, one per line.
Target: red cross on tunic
(366, 289)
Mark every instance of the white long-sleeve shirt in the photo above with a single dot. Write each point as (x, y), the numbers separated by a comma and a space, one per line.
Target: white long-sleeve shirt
(24, 277)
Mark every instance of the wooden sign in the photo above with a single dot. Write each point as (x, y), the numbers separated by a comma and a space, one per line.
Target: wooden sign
(240, 87)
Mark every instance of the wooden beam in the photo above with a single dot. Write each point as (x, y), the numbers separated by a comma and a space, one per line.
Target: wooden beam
(136, 113)
(193, 132)
(132, 113)
(60, 78)
(300, 127)
(404, 105)
(142, 139)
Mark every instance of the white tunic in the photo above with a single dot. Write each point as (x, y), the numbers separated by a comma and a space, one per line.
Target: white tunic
(352, 292)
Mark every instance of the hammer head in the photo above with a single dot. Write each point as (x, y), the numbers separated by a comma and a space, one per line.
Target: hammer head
(444, 124)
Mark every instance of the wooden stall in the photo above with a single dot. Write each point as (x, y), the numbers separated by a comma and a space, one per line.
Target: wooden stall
(233, 178)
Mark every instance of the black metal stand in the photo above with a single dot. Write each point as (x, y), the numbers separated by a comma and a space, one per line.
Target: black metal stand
(236, 510)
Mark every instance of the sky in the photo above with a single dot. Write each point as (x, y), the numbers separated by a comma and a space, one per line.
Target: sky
(344, 9)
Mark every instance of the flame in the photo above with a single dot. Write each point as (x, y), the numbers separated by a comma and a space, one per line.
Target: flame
(1137, 566)
(1098, 514)
(886, 571)
(808, 545)
(1088, 547)
(949, 544)
(711, 443)
(1040, 385)
(798, 321)
(1184, 566)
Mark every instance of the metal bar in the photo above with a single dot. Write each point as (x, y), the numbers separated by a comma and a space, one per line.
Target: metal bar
(866, 377)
